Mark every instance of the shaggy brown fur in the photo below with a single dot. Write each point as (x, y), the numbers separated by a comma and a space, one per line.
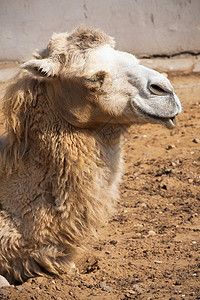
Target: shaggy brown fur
(61, 161)
(56, 179)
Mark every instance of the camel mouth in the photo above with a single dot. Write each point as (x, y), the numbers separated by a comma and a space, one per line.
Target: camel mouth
(168, 122)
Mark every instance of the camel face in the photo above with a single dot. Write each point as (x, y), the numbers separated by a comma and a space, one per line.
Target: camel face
(132, 93)
(95, 84)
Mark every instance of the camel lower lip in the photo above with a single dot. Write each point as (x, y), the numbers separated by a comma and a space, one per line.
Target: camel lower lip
(170, 123)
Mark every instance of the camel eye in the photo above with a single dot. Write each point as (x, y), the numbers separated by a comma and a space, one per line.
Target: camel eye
(96, 81)
(157, 90)
(98, 77)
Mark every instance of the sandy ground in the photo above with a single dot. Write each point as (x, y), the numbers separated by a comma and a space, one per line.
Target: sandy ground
(150, 248)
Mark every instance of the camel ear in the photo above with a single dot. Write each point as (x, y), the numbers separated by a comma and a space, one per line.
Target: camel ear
(42, 67)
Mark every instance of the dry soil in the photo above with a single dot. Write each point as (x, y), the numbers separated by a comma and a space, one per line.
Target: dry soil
(150, 248)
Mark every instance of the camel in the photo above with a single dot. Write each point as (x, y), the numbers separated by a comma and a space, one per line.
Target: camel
(61, 159)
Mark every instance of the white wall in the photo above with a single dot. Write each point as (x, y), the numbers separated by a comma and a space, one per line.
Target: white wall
(139, 26)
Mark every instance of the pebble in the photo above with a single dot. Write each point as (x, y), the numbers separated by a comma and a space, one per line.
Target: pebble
(196, 141)
(164, 187)
(137, 288)
(108, 252)
(151, 233)
(143, 205)
(166, 209)
(19, 288)
(3, 281)
(158, 262)
(113, 242)
(177, 283)
(131, 292)
(169, 147)
(105, 287)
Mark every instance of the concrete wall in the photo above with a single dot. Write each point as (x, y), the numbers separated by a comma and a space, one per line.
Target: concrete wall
(139, 26)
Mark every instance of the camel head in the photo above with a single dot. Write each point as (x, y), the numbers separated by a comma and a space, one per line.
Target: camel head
(92, 83)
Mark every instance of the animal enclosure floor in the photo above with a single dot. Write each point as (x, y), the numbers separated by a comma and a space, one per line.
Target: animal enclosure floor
(150, 249)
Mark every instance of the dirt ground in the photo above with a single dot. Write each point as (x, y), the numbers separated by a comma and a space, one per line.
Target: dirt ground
(150, 249)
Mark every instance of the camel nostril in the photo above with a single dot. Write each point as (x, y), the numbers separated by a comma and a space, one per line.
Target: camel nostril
(158, 90)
